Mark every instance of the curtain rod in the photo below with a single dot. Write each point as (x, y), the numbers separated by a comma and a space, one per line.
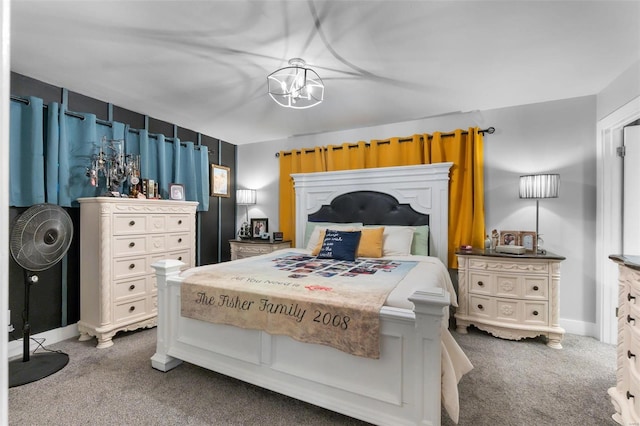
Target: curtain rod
(489, 130)
(103, 122)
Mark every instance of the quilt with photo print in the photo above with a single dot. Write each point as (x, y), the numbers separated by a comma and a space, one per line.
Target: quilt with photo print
(327, 301)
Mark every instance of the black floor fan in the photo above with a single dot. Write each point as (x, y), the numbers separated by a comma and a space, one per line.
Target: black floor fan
(40, 237)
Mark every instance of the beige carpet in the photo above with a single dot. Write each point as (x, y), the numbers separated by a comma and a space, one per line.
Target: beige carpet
(513, 383)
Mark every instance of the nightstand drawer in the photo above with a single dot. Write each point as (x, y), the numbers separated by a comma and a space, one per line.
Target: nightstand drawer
(535, 313)
(481, 283)
(481, 306)
(241, 249)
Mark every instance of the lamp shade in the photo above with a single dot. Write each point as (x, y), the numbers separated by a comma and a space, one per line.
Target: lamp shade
(245, 196)
(296, 86)
(540, 186)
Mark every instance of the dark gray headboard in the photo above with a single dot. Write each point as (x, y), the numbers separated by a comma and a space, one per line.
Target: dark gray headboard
(370, 208)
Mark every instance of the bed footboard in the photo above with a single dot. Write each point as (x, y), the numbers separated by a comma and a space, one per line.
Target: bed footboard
(402, 387)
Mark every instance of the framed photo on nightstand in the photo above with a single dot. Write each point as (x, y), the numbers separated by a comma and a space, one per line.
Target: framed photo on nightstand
(528, 240)
(509, 238)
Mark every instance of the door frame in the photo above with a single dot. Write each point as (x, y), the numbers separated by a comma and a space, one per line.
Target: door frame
(609, 215)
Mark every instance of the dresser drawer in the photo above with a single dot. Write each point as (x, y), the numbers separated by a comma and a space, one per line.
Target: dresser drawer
(179, 222)
(127, 310)
(129, 267)
(125, 224)
(129, 245)
(157, 243)
(182, 256)
(178, 241)
(157, 223)
(130, 288)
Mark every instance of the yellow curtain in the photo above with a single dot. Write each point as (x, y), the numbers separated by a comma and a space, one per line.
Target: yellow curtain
(296, 161)
(466, 187)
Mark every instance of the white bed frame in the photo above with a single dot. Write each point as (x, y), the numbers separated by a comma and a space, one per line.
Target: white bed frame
(402, 387)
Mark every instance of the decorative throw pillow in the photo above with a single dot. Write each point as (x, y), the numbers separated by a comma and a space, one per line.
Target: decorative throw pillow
(371, 242)
(313, 238)
(318, 246)
(341, 245)
(397, 241)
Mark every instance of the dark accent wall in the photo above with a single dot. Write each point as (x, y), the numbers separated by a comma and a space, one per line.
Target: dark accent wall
(48, 310)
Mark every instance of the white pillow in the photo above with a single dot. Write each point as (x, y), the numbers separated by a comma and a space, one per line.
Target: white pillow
(314, 238)
(396, 240)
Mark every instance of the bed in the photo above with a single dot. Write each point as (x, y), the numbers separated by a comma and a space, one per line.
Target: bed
(416, 371)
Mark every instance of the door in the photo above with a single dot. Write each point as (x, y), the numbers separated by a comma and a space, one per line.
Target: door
(631, 192)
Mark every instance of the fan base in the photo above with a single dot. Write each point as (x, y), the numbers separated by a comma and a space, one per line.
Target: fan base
(38, 367)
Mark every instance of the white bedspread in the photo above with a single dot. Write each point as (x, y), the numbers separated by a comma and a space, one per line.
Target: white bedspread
(432, 274)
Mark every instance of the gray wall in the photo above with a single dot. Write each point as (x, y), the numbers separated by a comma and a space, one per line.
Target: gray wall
(547, 137)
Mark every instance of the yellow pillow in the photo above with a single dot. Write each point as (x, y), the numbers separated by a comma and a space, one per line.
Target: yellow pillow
(318, 246)
(370, 242)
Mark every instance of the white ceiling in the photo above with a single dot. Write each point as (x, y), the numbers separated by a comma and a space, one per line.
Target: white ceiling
(203, 64)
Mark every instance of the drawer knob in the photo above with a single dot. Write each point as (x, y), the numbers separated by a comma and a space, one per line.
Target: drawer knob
(480, 307)
(630, 354)
(179, 240)
(629, 297)
(480, 284)
(535, 313)
(132, 244)
(180, 222)
(535, 288)
(630, 318)
(629, 396)
(133, 222)
(179, 257)
(131, 309)
(133, 265)
(132, 287)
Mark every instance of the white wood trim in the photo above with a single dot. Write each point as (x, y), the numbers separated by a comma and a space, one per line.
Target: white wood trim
(5, 92)
(609, 214)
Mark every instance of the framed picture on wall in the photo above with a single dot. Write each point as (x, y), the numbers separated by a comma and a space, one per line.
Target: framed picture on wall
(220, 177)
(259, 227)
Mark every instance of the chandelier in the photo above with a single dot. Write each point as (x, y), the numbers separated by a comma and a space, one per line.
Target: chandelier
(296, 86)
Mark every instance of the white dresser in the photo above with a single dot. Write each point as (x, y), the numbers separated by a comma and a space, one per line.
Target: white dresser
(510, 296)
(120, 239)
(625, 396)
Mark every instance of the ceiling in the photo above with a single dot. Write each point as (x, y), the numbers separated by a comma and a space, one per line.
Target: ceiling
(203, 64)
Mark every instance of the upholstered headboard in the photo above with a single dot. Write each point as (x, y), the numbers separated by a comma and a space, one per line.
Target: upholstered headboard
(370, 208)
(405, 195)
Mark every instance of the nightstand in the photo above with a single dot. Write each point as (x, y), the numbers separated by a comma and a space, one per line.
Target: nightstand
(247, 248)
(510, 296)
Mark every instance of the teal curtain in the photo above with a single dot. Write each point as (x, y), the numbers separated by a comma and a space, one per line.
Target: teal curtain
(51, 151)
(26, 153)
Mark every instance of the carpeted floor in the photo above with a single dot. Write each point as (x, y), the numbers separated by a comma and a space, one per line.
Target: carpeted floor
(513, 383)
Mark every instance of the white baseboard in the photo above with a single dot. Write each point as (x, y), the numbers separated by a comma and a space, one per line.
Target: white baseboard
(50, 337)
(581, 328)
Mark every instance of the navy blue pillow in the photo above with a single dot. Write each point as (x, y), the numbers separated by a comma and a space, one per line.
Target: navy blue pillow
(340, 245)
